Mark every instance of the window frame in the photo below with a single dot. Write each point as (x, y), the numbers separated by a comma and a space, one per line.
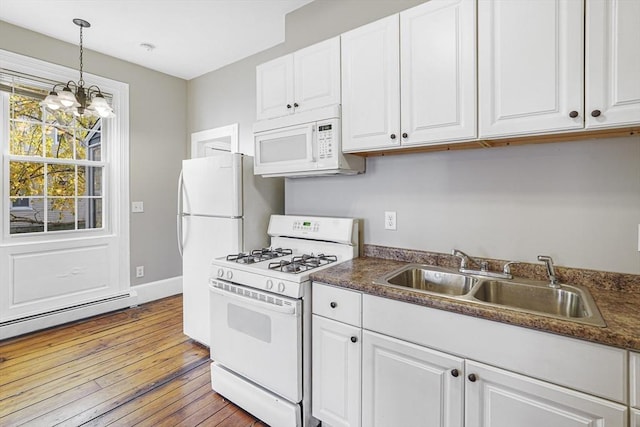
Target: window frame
(115, 156)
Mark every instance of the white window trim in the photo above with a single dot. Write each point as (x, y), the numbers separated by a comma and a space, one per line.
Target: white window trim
(116, 174)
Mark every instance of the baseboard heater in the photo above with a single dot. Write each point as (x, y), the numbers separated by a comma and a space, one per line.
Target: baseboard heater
(23, 325)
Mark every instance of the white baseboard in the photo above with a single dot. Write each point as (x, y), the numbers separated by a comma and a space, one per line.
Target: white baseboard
(137, 295)
(159, 289)
(58, 317)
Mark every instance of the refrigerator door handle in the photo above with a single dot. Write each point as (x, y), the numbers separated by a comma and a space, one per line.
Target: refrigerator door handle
(179, 214)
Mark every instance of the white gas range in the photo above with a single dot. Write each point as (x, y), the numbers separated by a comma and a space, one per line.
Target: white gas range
(260, 312)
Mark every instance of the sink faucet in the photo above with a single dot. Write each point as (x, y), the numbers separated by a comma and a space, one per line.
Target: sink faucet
(551, 272)
(465, 260)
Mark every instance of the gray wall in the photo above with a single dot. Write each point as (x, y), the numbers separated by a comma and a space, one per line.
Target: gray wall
(578, 201)
(158, 143)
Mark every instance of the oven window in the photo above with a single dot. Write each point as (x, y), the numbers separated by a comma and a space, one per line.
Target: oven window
(284, 149)
(249, 322)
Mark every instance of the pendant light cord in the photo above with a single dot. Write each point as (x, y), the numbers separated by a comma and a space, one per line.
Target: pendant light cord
(81, 81)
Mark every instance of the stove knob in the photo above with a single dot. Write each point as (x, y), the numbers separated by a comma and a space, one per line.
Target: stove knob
(280, 287)
(269, 284)
(229, 274)
(220, 272)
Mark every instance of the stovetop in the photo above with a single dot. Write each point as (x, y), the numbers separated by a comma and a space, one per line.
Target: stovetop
(281, 260)
(299, 246)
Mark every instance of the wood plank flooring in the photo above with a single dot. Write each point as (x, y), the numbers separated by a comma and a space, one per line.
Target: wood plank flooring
(132, 367)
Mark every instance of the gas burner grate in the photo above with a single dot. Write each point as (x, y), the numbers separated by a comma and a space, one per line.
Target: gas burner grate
(258, 255)
(269, 253)
(301, 263)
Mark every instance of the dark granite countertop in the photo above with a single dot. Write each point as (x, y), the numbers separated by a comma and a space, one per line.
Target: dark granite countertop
(618, 299)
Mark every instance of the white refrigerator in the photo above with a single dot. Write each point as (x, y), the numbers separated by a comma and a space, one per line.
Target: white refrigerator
(222, 209)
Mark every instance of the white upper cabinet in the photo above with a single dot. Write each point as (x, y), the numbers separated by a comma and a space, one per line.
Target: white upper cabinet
(371, 86)
(612, 63)
(316, 75)
(274, 82)
(410, 79)
(438, 72)
(301, 81)
(530, 66)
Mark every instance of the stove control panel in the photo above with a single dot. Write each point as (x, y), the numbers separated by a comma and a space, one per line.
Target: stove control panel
(338, 230)
(308, 226)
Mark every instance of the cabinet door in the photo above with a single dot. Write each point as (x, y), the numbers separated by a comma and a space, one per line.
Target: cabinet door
(407, 385)
(336, 372)
(498, 398)
(317, 75)
(612, 63)
(438, 72)
(530, 66)
(635, 418)
(371, 86)
(634, 379)
(274, 88)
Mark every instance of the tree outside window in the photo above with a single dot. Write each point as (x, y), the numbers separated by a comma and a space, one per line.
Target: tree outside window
(55, 168)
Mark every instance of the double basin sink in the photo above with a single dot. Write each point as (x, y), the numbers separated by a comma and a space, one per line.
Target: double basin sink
(568, 302)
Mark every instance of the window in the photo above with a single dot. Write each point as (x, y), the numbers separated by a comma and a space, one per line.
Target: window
(55, 165)
(20, 204)
(63, 177)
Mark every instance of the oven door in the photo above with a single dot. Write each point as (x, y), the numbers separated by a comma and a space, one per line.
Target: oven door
(258, 335)
(289, 149)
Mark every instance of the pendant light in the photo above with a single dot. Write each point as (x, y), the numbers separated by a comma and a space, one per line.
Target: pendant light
(74, 97)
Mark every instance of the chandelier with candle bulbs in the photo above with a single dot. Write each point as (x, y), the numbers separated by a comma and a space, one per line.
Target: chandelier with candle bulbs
(72, 97)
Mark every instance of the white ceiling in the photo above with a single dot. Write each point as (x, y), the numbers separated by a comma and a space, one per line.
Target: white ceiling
(191, 37)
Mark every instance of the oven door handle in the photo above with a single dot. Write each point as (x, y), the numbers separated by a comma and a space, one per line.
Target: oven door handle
(291, 310)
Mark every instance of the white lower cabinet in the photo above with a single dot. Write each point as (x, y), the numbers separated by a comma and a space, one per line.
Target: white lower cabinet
(395, 367)
(498, 398)
(336, 377)
(634, 388)
(404, 384)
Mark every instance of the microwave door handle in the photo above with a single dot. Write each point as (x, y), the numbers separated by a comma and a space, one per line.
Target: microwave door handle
(290, 310)
(314, 143)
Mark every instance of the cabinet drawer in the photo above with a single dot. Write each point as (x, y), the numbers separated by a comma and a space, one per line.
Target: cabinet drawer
(634, 379)
(338, 304)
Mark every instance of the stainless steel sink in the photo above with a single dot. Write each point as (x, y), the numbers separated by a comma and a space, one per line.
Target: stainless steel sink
(429, 279)
(565, 302)
(568, 302)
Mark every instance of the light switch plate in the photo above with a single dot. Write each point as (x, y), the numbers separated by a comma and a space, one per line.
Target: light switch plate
(137, 207)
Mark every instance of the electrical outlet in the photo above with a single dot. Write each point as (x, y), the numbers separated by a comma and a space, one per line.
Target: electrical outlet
(140, 271)
(137, 207)
(390, 220)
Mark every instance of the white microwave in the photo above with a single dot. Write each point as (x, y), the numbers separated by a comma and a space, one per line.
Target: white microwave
(303, 144)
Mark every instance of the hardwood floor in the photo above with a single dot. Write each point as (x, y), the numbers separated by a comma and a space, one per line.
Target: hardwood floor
(132, 367)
